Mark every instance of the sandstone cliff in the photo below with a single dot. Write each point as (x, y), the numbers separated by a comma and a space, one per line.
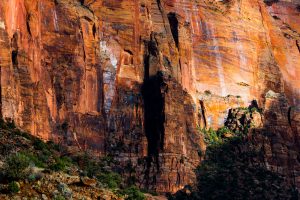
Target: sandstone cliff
(134, 78)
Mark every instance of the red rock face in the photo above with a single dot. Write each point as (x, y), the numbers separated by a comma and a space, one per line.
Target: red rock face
(136, 77)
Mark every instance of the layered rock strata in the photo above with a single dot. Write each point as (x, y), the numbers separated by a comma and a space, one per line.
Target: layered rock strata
(135, 77)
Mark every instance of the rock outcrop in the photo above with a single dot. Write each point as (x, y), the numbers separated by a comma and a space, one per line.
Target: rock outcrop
(134, 78)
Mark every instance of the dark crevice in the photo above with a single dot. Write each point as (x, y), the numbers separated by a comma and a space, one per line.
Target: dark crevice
(14, 52)
(154, 119)
(152, 48)
(270, 2)
(289, 116)
(86, 5)
(94, 30)
(254, 104)
(173, 21)
(298, 45)
(146, 66)
(159, 5)
(87, 18)
(128, 51)
(59, 93)
(203, 113)
(28, 25)
(154, 113)
(83, 47)
(14, 57)
(153, 93)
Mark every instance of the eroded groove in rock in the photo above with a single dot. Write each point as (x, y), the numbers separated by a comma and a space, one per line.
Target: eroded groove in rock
(154, 104)
(173, 21)
(203, 115)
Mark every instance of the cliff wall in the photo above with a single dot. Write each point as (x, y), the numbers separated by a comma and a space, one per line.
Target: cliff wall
(135, 78)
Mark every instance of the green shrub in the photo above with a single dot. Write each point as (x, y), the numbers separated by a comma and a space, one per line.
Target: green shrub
(10, 124)
(133, 193)
(89, 166)
(210, 136)
(222, 131)
(34, 159)
(110, 179)
(93, 167)
(39, 144)
(13, 187)
(255, 109)
(44, 156)
(61, 164)
(2, 123)
(32, 178)
(23, 134)
(53, 146)
(228, 173)
(59, 197)
(15, 166)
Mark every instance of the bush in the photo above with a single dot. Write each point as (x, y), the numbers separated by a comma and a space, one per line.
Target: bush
(255, 109)
(15, 166)
(14, 187)
(228, 173)
(53, 146)
(32, 178)
(110, 179)
(59, 197)
(44, 156)
(34, 159)
(39, 144)
(133, 193)
(222, 131)
(10, 124)
(94, 167)
(89, 166)
(61, 164)
(210, 136)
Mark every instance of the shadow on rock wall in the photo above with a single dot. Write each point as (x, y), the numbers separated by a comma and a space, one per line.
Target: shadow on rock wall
(261, 163)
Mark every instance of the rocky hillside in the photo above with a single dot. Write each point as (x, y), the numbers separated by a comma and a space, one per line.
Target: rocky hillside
(32, 169)
(135, 78)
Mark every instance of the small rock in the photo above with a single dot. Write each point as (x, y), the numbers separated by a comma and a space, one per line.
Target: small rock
(272, 94)
(16, 198)
(72, 179)
(55, 193)
(65, 190)
(88, 181)
(44, 197)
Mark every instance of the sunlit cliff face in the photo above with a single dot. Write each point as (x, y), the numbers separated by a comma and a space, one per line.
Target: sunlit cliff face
(85, 64)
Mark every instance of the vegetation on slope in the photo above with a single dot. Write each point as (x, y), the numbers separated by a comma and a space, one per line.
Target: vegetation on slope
(31, 168)
(234, 169)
